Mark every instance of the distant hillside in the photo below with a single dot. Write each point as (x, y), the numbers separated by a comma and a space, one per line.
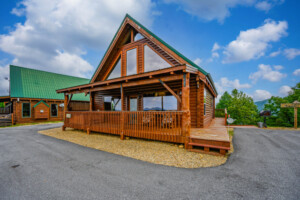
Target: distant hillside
(260, 104)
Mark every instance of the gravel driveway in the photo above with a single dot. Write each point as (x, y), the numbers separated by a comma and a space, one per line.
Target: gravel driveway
(265, 165)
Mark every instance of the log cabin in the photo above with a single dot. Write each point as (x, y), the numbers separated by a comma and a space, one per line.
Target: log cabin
(144, 88)
(33, 96)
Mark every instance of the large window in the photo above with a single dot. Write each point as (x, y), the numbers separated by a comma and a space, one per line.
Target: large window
(54, 110)
(153, 61)
(116, 71)
(159, 103)
(26, 111)
(113, 104)
(131, 62)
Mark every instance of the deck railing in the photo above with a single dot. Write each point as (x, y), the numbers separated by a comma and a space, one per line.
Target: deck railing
(155, 125)
(5, 110)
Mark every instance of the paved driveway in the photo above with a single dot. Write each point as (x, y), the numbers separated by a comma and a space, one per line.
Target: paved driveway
(265, 165)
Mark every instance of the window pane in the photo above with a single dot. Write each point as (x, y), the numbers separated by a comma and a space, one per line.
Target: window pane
(26, 109)
(53, 110)
(170, 103)
(133, 104)
(138, 37)
(152, 103)
(153, 61)
(131, 62)
(116, 72)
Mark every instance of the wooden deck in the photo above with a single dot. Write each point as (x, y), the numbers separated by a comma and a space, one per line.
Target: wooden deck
(214, 137)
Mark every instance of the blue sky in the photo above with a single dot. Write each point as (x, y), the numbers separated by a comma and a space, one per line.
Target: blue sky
(251, 45)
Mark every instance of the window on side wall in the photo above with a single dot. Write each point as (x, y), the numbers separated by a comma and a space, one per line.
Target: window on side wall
(26, 111)
(53, 110)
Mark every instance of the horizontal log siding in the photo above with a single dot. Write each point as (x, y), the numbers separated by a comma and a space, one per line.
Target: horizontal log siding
(209, 108)
(17, 110)
(160, 125)
(193, 101)
(98, 101)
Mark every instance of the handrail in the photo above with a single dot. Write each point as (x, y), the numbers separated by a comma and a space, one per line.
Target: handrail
(155, 125)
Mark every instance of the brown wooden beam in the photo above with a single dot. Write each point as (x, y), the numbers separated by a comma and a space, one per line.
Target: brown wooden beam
(170, 90)
(131, 84)
(122, 79)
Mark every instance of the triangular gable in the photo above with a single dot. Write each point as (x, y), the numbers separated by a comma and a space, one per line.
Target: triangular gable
(41, 101)
(149, 35)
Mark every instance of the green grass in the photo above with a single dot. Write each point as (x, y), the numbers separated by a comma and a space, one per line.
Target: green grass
(231, 132)
(32, 123)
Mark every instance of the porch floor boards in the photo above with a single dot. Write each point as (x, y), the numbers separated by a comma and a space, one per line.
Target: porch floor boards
(213, 137)
(216, 131)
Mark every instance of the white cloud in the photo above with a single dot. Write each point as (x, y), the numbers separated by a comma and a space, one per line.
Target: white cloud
(291, 53)
(267, 73)
(263, 5)
(220, 9)
(215, 55)
(4, 84)
(252, 43)
(210, 10)
(198, 61)
(284, 90)
(278, 67)
(216, 47)
(224, 84)
(275, 53)
(259, 95)
(57, 34)
(297, 72)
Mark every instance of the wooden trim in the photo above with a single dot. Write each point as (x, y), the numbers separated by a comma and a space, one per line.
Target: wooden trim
(112, 67)
(109, 50)
(121, 79)
(170, 90)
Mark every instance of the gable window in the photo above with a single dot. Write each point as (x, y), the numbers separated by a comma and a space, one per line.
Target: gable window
(26, 111)
(116, 71)
(152, 61)
(131, 62)
(138, 36)
(53, 110)
(204, 101)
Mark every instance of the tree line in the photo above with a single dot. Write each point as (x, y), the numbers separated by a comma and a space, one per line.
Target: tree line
(242, 108)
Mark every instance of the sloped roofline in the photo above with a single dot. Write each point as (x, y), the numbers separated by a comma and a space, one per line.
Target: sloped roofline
(160, 40)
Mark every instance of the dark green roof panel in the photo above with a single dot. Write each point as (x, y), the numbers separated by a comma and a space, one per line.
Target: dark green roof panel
(31, 83)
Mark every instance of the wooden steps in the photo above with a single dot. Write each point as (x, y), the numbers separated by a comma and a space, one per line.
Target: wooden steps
(213, 147)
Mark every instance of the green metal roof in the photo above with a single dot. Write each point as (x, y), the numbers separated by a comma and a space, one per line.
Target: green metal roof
(32, 83)
(163, 42)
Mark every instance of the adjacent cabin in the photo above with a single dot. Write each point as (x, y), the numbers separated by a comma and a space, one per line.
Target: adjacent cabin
(33, 96)
(144, 88)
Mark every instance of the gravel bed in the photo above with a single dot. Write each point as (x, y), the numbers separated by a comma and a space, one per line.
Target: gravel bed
(162, 153)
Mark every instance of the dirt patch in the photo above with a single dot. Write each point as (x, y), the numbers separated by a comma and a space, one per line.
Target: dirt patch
(150, 151)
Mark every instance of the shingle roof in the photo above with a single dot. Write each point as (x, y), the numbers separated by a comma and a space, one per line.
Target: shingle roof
(32, 83)
(163, 42)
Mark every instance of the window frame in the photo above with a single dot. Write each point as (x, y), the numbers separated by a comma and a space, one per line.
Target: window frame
(51, 110)
(137, 55)
(23, 109)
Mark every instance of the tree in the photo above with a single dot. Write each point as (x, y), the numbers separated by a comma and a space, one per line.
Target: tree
(224, 101)
(239, 106)
(283, 116)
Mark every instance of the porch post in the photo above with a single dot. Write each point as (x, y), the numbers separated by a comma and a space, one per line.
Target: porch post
(185, 106)
(65, 109)
(122, 113)
(91, 101)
